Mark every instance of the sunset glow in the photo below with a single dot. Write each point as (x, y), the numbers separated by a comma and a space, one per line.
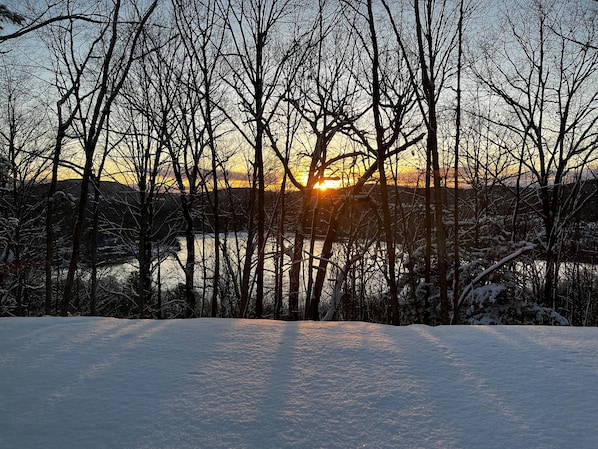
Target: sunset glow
(331, 182)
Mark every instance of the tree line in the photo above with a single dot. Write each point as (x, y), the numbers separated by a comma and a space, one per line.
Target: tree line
(458, 139)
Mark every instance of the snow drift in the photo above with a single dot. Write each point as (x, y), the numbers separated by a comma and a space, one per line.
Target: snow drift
(215, 383)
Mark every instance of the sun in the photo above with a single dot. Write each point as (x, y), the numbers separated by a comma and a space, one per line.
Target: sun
(329, 182)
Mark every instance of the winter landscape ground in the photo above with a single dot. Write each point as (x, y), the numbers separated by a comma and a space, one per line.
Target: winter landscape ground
(216, 383)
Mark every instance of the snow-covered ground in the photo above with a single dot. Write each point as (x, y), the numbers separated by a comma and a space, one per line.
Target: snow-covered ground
(214, 383)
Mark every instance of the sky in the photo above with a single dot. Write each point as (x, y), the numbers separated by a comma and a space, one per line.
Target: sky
(226, 383)
(29, 53)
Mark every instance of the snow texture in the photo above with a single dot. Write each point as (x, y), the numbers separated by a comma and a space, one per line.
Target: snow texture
(215, 383)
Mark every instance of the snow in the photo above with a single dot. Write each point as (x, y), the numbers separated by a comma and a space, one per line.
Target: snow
(216, 383)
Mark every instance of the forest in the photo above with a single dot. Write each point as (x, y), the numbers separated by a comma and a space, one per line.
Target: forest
(392, 161)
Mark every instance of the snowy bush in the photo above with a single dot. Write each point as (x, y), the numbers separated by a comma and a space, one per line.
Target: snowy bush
(516, 313)
(492, 304)
(494, 285)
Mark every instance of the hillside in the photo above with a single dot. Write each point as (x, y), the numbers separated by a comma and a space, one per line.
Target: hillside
(119, 205)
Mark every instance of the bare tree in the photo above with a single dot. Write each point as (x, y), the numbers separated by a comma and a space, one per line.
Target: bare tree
(23, 152)
(67, 83)
(200, 29)
(545, 82)
(323, 97)
(456, 228)
(10, 16)
(40, 16)
(114, 45)
(432, 59)
(391, 94)
(146, 110)
(435, 42)
(263, 39)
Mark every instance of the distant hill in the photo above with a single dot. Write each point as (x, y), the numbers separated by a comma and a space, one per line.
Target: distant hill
(119, 205)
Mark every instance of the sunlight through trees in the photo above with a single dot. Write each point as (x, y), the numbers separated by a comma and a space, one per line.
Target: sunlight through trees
(397, 161)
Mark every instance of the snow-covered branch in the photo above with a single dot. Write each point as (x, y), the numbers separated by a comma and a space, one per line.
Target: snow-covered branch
(505, 260)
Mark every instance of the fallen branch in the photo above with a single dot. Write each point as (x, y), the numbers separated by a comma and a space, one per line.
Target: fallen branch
(505, 260)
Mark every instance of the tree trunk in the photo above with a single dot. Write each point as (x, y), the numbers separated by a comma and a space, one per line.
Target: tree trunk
(429, 226)
(189, 269)
(77, 234)
(295, 271)
(428, 83)
(279, 261)
(144, 252)
(50, 218)
(60, 136)
(259, 162)
(381, 156)
(439, 222)
(456, 243)
(216, 209)
(249, 252)
(94, 248)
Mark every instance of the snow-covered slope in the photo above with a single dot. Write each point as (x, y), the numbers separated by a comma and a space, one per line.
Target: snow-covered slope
(107, 383)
